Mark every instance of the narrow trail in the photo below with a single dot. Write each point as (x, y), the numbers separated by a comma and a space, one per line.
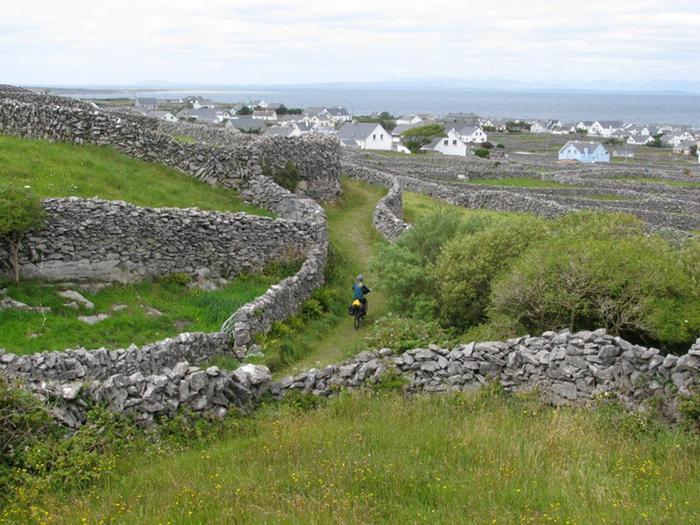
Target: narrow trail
(351, 231)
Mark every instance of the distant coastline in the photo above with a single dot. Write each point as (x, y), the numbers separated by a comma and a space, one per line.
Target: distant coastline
(566, 105)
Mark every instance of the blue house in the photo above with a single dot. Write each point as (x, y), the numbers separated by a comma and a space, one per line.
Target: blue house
(588, 152)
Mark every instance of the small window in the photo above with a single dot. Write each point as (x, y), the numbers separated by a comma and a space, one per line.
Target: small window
(381, 136)
(447, 142)
(454, 142)
(374, 137)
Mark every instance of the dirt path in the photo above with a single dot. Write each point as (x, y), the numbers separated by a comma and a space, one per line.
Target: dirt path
(351, 231)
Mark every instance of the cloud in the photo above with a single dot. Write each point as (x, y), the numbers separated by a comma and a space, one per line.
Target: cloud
(282, 41)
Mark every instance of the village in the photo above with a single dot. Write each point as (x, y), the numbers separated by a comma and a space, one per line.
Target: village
(453, 134)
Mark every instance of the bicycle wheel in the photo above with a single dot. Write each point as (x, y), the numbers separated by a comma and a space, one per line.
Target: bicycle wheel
(356, 320)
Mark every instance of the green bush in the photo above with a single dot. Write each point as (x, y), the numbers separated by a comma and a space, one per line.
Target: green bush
(482, 153)
(429, 130)
(634, 286)
(21, 212)
(288, 177)
(467, 265)
(404, 268)
(404, 333)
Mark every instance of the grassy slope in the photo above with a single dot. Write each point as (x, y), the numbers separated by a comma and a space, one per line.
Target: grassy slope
(351, 231)
(182, 309)
(61, 170)
(385, 459)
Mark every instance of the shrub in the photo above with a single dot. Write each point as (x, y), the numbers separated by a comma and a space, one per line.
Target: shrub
(467, 265)
(500, 146)
(179, 278)
(288, 177)
(21, 212)
(430, 130)
(486, 145)
(482, 153)
(633, 286)
(403, 268)
(404, 333)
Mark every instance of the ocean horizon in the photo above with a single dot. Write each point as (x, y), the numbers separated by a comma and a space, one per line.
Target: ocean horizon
(567, 106)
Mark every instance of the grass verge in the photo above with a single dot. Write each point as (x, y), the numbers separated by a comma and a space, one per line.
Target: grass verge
(62, 170)
(518, 182)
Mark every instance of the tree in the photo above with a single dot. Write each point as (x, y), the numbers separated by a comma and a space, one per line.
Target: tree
(20, 213)
(416, 138)
(482, 153)
(694, 150)
(245, 110)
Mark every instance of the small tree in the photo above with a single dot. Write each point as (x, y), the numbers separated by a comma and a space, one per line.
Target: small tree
(245, 110)
(20, 213)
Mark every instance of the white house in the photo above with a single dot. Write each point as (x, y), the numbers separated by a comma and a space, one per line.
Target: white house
(257, 104)
(364, 136)
(207, 115)
(409, 119)
(282, 131)
(640, 140)
(322, 119)
(338, 114)
(202, 103)
(452, 144)
(587, 152)
(162, 115)
(146, 103)
(264, 114)
(472, 134)
(605, 128)
(539, 127)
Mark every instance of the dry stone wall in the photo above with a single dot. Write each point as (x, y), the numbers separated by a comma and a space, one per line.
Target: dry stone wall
(565, 367)
(388, 214)
(93, 239)
(232, 163)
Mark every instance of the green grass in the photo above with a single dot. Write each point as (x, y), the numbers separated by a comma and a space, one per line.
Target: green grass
(651, 180)
(518, 182)
(382, 458)
(184, 139)
(332, 337)
(62, 170)
(417, 206)
(611, 198)
(134, 321)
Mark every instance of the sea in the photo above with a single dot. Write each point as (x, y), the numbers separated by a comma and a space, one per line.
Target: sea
(567, 106)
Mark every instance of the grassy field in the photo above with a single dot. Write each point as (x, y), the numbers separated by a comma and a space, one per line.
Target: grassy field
(651, 180)
(62, 170)
(417, 205)
(519, 182)
(382, 458)
(139, 313)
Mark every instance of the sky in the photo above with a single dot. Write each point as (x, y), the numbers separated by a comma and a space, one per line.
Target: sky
(610, 44)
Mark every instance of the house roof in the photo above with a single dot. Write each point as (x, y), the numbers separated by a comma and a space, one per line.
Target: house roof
(357, 130)
(279, 131)
(305, 126)
(338, 111)
(610, 123)
(263, 113)
(468, 130)
(147, 101)
(247, 122)
(433, 143)
(156, 113)
(582, 146)
(314, 110)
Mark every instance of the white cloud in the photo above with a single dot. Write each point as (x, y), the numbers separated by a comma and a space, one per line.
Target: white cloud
(280, 41)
